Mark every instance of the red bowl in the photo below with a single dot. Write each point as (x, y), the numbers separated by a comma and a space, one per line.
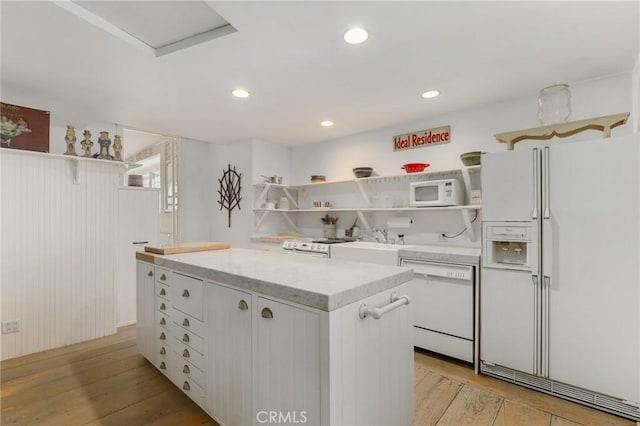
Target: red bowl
(414, 167)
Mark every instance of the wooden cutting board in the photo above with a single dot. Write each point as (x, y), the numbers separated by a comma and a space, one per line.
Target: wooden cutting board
(187, 248)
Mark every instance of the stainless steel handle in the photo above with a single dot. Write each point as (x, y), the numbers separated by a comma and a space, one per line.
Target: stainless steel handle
(185, 293)
(162, 292)
(536, 326)
(547, 208)
(163, 351)
(185, 323)
(163, 366)
(186, 386)
(162, 307)
(266, 313)
(162, 321)
(186, 354)
(395, 302)
(137, 243)
(185, 338)
(163, 277)
(150, 274)
(186, 369)
(242, 305)
(162, 336)
(534, 214)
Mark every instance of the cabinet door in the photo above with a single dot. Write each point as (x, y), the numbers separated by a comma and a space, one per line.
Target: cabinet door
(228, 328)
(288, 363)
(145, 302)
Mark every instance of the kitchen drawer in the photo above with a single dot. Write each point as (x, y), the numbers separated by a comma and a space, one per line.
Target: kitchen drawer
(187, 295)
(163, 305)
(163, 291)
(454, 347)
(163, 337)
(188, 338)
(193, 391)
(163, 320)
(186, 370)
(163, 276)
(188, 322)
(163, 352)
(517, 232)
(185, 352)
(164, 365)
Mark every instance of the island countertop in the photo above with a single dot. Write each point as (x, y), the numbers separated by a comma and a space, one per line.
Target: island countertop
(325, 284)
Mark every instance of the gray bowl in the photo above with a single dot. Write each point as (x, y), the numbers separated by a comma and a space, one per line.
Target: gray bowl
(362, 172)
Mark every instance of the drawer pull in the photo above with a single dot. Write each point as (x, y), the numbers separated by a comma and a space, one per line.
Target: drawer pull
(150, 274)
(186, 369)
(185, 338)
(242, 305)
(162, 307)
(185, 323)
(163, 351)
(163, 277)
(162, 292)
(163, 366)
(162, 321)
(266, 313)
(186, 386)
(185, 354)
(185, 293)
(162, 336)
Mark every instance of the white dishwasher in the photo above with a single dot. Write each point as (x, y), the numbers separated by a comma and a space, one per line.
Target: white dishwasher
(443, 307)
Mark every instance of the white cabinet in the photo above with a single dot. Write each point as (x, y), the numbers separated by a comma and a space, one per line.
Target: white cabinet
(162, 353)
(229, 356)
(288, 361)
(145, 301)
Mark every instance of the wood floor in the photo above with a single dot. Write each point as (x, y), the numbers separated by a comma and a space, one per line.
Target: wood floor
(107, 382)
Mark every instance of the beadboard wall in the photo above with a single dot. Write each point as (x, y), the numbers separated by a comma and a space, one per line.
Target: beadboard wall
(58, 275)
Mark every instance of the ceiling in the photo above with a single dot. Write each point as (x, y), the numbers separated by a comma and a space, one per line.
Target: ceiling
(292, 59)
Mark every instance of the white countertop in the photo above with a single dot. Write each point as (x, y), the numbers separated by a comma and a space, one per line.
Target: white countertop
(442, 253)
(325, 284)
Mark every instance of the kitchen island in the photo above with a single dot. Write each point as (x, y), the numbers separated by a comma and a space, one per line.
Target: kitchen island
(257, 337)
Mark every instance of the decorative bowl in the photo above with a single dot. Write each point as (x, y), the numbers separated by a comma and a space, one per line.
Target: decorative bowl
(414, 167)
(362, 172)
(318, 178)
(471, 158)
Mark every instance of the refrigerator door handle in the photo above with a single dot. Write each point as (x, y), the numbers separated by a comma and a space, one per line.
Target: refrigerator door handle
(536, 324)
(545, 168)
(536, 190)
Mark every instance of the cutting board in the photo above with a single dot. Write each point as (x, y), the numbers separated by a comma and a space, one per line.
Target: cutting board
(187, 248)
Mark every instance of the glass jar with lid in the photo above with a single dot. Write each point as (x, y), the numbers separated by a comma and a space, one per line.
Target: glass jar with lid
(554, 104)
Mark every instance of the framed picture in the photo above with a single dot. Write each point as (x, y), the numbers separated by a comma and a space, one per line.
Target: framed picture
(24, 128)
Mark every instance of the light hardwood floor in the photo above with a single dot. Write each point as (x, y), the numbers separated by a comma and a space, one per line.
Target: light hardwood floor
(107, 382)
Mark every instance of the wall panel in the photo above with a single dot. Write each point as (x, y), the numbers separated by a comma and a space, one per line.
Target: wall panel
(58, 275)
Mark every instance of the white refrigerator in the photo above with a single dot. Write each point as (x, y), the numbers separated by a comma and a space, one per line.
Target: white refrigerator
(560, 276)
(138, 226)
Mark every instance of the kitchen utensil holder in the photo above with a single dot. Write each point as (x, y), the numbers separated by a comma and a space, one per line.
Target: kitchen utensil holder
(329, 230)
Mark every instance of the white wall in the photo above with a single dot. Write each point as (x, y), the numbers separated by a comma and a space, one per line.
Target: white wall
(197, 177)
(471, 130)
(238, 155)
(58, 250)
(269, 159)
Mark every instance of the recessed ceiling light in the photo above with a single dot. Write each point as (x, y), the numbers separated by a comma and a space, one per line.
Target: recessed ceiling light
(326, 123)
(430, 94)
(356, 36)
(240, 93)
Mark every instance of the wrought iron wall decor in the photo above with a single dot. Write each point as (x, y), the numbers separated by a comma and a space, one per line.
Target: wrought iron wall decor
(230, 190)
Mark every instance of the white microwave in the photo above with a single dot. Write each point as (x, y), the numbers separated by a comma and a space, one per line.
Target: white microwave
(436, 193)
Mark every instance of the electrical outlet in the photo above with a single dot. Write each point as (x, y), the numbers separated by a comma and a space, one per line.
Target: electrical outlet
(10, 326)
